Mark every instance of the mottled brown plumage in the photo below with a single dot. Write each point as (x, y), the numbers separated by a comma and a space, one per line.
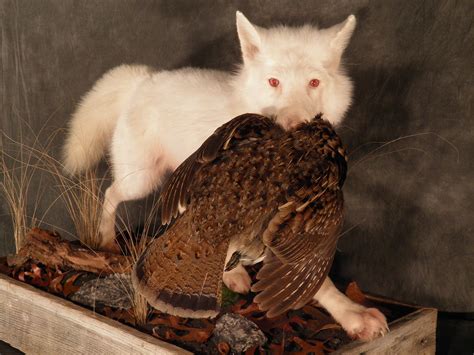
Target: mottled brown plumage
(269, 191)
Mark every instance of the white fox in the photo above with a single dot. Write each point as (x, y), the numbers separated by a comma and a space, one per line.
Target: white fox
(150, 122)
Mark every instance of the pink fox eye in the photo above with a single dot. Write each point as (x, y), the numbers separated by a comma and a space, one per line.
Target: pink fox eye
(314, 83)
(274, 82)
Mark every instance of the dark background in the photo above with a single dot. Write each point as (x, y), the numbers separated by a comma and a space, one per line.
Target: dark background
(409, 203)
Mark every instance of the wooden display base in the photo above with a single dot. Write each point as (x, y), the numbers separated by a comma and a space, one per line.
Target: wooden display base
(36, 322)
(414, 333)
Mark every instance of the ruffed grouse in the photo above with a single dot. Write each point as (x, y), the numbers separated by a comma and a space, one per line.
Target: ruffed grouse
(265, 192)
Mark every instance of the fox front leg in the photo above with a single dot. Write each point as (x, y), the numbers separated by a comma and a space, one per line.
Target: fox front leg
(358, 321)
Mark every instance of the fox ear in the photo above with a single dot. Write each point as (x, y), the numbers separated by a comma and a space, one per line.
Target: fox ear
(341, 34)
(248, 37)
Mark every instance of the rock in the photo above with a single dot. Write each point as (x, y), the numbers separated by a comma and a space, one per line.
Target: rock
(114, 291)
(237, 331)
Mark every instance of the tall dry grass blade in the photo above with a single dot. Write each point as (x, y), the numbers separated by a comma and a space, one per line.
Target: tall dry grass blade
(16, 173)
(82, 198)
(84, 202)
(136, 246)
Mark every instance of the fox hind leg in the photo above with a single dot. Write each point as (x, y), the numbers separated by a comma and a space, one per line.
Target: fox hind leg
(134, 185)
(107, 220)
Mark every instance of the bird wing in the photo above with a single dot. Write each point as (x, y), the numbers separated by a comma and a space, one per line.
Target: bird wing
(175, 194)
(301, 242)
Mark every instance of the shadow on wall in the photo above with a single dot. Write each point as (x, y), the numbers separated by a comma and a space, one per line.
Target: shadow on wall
(400, 244)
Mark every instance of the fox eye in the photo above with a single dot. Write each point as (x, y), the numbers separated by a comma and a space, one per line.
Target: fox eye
(314, 83)
(274, 82)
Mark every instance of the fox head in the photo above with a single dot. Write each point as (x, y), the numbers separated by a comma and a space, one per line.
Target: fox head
(293, 74)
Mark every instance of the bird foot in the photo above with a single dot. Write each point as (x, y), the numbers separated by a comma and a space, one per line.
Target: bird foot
(364, 323)
(237, 280)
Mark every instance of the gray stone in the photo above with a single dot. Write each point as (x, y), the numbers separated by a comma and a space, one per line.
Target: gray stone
(239, 332)
(113, 290)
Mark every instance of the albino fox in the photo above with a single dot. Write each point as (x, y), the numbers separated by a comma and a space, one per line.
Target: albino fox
(151, 122)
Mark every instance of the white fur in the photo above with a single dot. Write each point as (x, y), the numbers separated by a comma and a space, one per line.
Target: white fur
(237, 279)
(358, 321)
(152, 121)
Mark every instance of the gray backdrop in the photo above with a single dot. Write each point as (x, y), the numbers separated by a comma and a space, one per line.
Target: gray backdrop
(409, 204)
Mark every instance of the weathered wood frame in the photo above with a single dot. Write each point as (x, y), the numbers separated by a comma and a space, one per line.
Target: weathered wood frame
(39, 323)
(414, 333)
(36, 322)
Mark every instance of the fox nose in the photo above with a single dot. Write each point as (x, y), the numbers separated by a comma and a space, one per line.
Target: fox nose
(289, 123)
(290, 117)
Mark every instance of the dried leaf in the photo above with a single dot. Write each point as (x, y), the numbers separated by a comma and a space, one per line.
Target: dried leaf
(182, 329)
(307, 330)
(354, 293)
(69, 283)
(56, 286)
(122, 315)
(307, 347)
(223, 348)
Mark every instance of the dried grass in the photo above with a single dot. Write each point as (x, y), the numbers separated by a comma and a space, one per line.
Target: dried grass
(82, 197)
(16, 174)
(14, 186)
(136, 246)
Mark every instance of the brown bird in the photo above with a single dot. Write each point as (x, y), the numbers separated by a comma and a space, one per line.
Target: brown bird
(252, 190)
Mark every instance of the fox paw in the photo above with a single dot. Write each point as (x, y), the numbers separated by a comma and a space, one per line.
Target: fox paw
(237, 280)
(365, 324)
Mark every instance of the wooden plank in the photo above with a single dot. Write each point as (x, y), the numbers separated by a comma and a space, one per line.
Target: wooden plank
(413, 334)
(39, 323)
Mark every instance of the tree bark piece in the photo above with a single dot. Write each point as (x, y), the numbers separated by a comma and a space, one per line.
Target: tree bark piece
(48, 248)
(239, 332)
(113, 290)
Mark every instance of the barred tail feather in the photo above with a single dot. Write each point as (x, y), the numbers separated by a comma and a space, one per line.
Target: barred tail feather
(181, 277)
